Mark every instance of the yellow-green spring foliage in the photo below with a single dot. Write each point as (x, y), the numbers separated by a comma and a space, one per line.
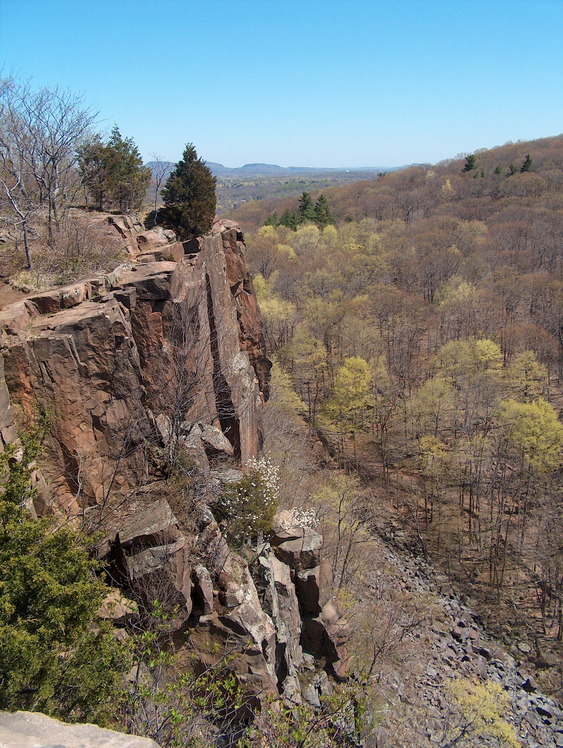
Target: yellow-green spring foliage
(483, 707)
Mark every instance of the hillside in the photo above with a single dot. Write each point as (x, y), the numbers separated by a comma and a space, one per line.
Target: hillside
(421, 191)
(423, 333)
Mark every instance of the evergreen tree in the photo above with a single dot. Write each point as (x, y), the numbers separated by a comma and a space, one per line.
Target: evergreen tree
(289, 219)
(94, 166)
(321, 213)
(527, 165)
(306, 210)
(128, 179)
(189, 196)
(55, 655)
(469, 162)
(114, 173)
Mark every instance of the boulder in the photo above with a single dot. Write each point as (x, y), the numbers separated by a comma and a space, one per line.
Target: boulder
(298, 547)
(148, 241)
(154, 524)
(27, 729)
(213, 438)
(326, 636)
(202, 595)
(163, 573)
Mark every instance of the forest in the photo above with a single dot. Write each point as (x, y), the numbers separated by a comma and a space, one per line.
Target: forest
(422, 333)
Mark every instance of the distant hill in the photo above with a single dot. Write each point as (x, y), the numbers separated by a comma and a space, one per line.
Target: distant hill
(260, 169)
(497, 178)
(258, 181)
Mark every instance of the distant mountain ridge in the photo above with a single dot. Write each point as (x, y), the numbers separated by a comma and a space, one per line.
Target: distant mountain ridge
(261, 169)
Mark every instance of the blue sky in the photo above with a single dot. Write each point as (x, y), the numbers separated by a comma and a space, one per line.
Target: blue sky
(300, 82)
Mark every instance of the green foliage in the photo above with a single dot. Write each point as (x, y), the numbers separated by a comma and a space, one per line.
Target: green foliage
(526, 376)
(342, 719)
(482, 707)
(54, 656)
(306, 210)
(432, 405)
(173, 697)
(248, 506)
(321, 214)
(114, 173)
(527, 164)
(534, 430)
(189, 196)
(463, 360)
(470, 162)
(290, 219)
(351, 397)
(277, 313)
(128, 178)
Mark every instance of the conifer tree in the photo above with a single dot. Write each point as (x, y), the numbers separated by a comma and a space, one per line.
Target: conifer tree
(527, 165)
(114, 173)
(321, 214)
(306, 210)
(189, 196)
(469, 162)
(128, 179)
(289, 219)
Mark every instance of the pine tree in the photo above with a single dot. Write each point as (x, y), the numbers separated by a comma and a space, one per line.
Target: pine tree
(527, 165)
(469, 162)
(114, 173)
(306, 210)
(189, 196)
(321, 214)
(289, 219)
(128, 179)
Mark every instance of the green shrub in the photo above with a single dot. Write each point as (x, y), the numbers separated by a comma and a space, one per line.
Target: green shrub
(55, 656)
(248, 506)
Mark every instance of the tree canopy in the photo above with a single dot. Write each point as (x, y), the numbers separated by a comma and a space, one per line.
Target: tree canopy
(114, 173)
(189, 196)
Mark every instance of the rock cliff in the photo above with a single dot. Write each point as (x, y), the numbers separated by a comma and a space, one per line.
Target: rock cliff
(162, 360)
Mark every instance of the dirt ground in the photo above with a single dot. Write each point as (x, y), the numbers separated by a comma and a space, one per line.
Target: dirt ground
(9, 295)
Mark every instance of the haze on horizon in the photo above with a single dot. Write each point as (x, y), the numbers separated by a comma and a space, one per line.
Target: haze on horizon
(353, 83)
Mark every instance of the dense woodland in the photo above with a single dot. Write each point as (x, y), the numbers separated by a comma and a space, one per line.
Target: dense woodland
(422, 332)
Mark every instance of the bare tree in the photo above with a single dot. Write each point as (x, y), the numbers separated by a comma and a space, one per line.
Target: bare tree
(160, 170)
(40, 133)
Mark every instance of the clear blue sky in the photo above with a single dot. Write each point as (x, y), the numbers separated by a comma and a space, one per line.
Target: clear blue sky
(300, 82)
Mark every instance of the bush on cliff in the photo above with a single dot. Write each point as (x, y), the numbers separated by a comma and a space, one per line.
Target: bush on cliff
(55, 656)
(189, 197)
(248, 505)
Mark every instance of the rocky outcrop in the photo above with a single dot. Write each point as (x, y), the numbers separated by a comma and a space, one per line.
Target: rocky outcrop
(257, 612)
(107, 357)
(26, 729)
(163, 362)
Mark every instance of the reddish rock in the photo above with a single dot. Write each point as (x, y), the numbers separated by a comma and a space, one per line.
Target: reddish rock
(168, 339)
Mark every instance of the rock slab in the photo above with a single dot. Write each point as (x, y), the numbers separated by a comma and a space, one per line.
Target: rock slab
(35, 730)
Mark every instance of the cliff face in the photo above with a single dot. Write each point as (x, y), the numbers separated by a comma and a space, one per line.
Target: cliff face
(155, 345)
(167, 354)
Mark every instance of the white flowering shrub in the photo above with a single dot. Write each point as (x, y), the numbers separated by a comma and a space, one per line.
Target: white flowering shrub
(249, 504)
(305, 517)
